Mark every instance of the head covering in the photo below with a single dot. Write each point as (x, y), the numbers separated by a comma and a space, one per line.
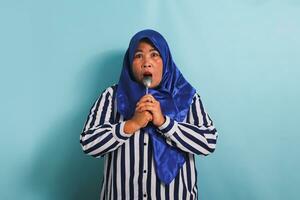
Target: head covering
(174, 93)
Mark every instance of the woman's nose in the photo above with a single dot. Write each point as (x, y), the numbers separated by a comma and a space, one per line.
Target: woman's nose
(147, 63)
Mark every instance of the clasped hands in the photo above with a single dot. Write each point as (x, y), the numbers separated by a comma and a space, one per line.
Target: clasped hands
(147, 110)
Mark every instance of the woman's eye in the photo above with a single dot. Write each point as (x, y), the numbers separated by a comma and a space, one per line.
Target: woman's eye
(155, 54)
(138, 55)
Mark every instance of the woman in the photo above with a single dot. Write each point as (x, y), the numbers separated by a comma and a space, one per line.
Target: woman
(149, 140)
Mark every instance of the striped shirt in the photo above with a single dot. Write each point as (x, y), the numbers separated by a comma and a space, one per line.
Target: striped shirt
(129, 170)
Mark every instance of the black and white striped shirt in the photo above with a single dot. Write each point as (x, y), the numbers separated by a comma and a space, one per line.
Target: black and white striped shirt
(129, 171)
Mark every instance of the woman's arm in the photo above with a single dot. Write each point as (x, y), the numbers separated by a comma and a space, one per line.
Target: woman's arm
(100, 134)
(196, 136)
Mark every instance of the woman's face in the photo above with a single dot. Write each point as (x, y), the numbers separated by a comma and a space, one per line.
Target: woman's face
(147, 61)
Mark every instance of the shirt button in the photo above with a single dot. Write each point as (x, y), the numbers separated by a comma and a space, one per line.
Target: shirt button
(145, 143)
(145, 195)
(145, 171)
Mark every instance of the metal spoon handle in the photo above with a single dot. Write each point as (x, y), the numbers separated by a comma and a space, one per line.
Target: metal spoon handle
(147, 82)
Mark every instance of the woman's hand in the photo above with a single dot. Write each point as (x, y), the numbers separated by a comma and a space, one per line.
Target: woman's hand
(138, 121)
(150, 104)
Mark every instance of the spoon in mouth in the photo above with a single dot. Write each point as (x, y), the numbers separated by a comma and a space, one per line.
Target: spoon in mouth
(147, 80)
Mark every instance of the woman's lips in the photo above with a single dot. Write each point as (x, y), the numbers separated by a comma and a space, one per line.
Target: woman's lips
(147, 74)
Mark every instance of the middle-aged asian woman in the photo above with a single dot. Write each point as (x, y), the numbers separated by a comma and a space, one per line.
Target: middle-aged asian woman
(149, 140)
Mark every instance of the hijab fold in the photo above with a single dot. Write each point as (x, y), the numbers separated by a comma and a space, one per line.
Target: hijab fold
(174, 93)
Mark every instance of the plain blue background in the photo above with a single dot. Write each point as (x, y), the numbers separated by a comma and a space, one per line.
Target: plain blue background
(241, 55)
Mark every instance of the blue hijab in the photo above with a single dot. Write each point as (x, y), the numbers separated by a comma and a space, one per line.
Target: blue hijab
(174, 93)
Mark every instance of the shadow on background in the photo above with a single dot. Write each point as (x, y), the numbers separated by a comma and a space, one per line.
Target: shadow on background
(61, 170)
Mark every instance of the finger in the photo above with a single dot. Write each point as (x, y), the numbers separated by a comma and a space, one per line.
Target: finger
(149, 115)
(137, 109)
(144, 108)
(147, 98)
(147, 108)
(144, 104)
(147, 105)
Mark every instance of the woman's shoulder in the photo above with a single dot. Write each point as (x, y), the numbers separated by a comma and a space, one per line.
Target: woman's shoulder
(196, 95)
(196, 98)
(111, 90)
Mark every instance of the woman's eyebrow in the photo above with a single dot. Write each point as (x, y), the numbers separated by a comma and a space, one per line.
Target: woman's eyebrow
(139, 50)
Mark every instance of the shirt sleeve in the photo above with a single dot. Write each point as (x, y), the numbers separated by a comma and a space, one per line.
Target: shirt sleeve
(196, 136)
(100, 135)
